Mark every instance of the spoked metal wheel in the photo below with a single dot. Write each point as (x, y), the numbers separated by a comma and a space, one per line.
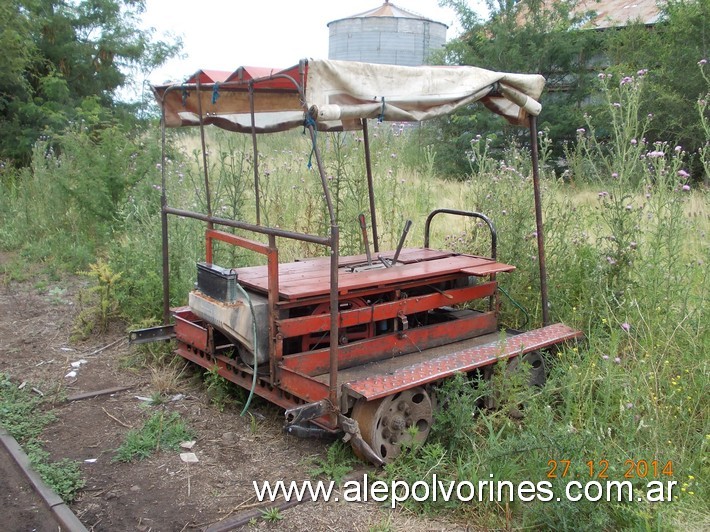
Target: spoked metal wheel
(385, 424)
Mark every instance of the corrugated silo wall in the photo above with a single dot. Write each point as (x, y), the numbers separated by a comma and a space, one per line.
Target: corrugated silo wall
(388, 40)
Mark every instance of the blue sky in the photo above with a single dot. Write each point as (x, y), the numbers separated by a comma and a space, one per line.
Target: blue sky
(224, 34)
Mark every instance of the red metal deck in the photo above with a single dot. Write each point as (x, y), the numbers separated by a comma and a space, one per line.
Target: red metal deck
(383, 384)
(298, 280)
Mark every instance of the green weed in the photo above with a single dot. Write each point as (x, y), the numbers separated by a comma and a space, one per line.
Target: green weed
(98, 301)
(160, 431)
(272, 515)
(22, 417)
(15, 271)
(337, 463)
(63, 476)
(221, 392)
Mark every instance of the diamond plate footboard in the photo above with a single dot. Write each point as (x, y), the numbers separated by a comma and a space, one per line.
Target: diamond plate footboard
(382, 385)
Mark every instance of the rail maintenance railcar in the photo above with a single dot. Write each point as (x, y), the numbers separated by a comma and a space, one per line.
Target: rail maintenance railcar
(356, 343)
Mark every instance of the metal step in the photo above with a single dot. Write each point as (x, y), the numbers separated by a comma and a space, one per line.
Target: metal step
(382, 385)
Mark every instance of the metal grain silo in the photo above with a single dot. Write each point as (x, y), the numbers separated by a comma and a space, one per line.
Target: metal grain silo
(387, 34)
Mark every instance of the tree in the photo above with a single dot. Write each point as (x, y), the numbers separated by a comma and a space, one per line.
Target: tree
(671, 52)
(64, 60)
(529, 36)
(551, 38)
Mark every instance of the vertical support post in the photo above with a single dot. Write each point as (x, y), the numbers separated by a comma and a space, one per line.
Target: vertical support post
(334, 315)
(208, 248)
(164, 223)
(256, 152)
(370, 184)
(538, 220)
(276, 343)
(208, 196)
(334, 256)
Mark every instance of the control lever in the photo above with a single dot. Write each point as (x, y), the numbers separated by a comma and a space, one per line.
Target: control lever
(407, 225)
(363, 226)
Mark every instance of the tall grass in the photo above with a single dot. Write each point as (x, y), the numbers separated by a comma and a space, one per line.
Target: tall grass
(627, 256)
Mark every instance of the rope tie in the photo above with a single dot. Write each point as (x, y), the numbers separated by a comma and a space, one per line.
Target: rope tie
(215, 93)
(306, 124)
(381, 118)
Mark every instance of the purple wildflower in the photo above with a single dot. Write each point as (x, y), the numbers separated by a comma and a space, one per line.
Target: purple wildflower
(686, 188)
(683, 173)
(626, 79)
(626, 326)
(617, 360)
(702, 62)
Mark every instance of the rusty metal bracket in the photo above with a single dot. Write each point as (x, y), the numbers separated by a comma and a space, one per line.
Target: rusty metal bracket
(303, 413)
(352, 435)
(405, 322)
(152, 334)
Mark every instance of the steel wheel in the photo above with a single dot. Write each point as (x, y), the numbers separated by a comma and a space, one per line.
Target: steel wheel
(536, 363)
(385, 423)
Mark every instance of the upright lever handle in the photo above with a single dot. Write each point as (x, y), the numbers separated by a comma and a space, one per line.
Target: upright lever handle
(407, 225)
(363, 226)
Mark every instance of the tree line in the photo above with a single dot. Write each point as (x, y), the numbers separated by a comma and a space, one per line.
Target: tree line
(558, 40)
(64, 61)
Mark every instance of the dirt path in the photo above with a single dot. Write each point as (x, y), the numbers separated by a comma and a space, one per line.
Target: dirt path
(159, 493)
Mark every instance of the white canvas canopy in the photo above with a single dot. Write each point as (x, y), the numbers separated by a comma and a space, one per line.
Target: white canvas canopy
(339, 94)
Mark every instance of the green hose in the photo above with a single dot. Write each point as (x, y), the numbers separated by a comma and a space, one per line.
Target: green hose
(518, 305)
(255, 345)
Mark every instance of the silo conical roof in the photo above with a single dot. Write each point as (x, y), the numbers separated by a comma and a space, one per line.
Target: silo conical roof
(388, 9)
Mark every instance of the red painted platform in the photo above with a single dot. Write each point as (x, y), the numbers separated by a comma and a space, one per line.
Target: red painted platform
(308, 278)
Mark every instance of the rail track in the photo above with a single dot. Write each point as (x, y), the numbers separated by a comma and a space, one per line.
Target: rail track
(27, 502)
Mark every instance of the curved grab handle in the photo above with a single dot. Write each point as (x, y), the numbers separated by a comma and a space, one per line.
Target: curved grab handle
(470, 214)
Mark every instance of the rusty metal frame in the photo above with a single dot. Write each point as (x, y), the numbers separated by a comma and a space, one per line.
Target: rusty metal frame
(197, 345)
(332, 242)
(292, 327)
(394, 344)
